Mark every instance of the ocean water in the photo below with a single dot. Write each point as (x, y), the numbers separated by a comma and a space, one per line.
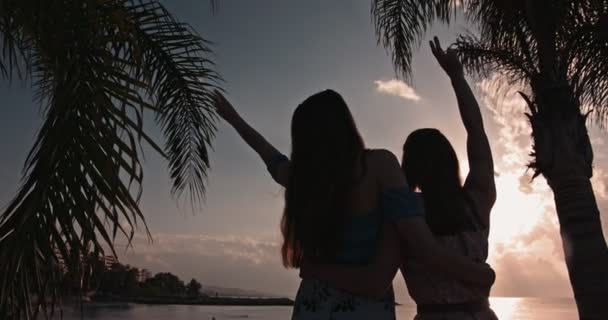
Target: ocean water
(505, 308)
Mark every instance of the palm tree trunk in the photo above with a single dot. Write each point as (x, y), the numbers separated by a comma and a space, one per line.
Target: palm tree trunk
(584, 245)
(563, 155)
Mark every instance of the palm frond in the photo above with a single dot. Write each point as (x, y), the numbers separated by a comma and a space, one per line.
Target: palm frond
(495, 19)
(93, 69)
(401, 25)
(563, 39)
(483, 58)
(215, 5)
(565, 42)
(503, 24)
(181, 83)
(14, 46)
(74, 191)
(585, 49)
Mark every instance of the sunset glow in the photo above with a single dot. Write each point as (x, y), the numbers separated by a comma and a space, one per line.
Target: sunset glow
(274, 56)
(515, 212)
(506, 309)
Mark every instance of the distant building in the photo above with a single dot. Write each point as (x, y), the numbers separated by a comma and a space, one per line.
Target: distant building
(60, 262)
(143, 274)
(109, 261)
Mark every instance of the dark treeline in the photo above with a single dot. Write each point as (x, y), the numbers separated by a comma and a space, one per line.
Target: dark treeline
(106, 277)
(117, 282)
(125, 281)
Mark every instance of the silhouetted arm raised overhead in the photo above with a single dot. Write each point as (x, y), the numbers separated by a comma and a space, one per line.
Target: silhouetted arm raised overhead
(276, 162)
(480, 180)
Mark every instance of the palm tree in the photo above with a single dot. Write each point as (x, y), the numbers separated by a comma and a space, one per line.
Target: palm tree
(558, 51)
(98, 67)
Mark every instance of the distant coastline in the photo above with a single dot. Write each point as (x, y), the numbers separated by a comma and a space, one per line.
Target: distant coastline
(113, 283)
(203, 301)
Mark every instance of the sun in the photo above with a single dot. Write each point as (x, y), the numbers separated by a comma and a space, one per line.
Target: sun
(515, 212)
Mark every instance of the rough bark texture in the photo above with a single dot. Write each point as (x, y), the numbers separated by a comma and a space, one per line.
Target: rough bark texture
(563, 155)
(584, 246)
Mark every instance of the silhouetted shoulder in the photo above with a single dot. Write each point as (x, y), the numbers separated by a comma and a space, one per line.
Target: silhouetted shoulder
(385, 166)
(378, 157)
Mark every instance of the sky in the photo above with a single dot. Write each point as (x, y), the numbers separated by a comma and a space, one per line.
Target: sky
(273, 54)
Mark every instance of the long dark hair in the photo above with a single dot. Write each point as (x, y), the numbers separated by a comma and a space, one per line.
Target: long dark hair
(325, 148)
(431, 165)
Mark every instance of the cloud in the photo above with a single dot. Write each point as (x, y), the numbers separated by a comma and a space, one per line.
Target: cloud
(600, 183)
(526, 274)
(397, 88)
(245, 249)
(507, 109)
(525, 246)
(525, 184)
(597, 140)
(600, 170)
(532, 263)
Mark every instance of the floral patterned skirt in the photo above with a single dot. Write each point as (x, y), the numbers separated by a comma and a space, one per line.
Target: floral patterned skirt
(480, 315)
(318, 301)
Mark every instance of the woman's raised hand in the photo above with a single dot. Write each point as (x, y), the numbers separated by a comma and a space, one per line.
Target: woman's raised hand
(448, 60)
(224, 108)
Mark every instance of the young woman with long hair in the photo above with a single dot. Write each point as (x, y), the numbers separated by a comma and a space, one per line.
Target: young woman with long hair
(346, 204)
(457, 214)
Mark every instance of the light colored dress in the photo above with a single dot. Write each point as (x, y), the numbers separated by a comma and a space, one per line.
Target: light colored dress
(439, 298)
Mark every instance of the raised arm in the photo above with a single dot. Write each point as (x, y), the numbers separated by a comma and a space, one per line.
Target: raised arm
(269, 154)
(372, 280)
(401, 207)
(480, 180)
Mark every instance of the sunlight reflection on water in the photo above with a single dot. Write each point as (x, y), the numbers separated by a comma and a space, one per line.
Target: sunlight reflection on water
(534, 308)
(505, 308)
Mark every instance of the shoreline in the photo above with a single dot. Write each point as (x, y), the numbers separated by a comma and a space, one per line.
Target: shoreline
(203, 301)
